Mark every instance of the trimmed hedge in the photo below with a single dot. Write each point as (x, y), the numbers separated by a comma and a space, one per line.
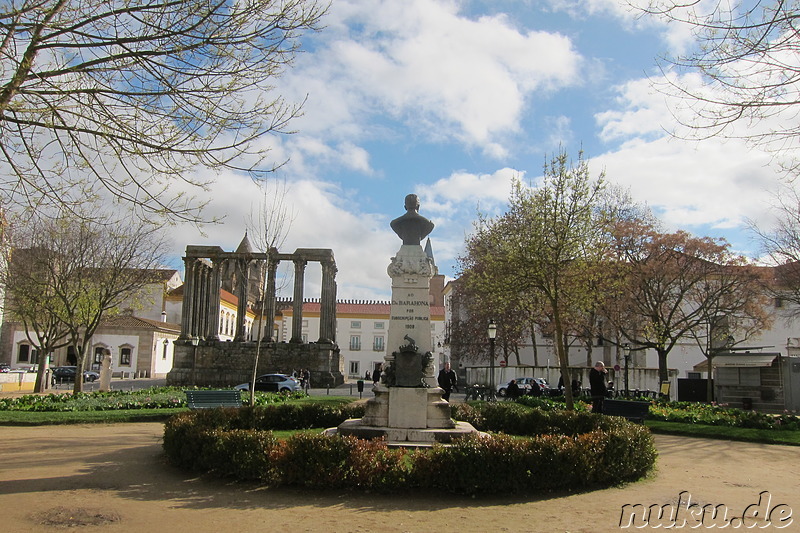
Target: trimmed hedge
(564, 450)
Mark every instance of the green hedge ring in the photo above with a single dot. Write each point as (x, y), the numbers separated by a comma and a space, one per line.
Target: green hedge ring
(563, 450)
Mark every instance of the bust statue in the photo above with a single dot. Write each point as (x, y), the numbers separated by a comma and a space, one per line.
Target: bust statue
(412, 227)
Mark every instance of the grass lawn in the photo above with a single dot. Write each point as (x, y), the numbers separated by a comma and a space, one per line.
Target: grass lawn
(44, 418)
(725, 432)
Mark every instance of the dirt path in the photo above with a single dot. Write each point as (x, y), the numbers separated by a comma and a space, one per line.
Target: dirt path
(113, 478)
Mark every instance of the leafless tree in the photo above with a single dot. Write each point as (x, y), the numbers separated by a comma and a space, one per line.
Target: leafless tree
(84, 270)
(137, 98)
(747, 55)
(31, 301)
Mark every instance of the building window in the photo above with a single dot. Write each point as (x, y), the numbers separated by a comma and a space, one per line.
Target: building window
(355, 342)
(125, 357)
(739, 376)
(750, 376)
(378, 325)
(355, 324)
(27, 354)
(354, 368)
(377, 344)
(24, 353)
(164, 353)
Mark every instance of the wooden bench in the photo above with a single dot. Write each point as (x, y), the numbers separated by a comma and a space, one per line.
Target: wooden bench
(208, 399)
(632, 410)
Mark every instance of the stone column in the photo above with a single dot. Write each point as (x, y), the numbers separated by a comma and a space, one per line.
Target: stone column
(242, 281)
(327, 319)
(215, 282)
(297, 304)
(201, 305)
(188, 298)
(269, 298)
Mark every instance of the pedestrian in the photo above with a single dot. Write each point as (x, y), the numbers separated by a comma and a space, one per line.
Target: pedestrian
(513, 392)
(447, 380)
(306, 380)
(368, 377)
(597, 386)
(610, 389)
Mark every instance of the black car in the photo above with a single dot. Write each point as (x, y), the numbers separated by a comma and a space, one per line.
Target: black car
(64, 374)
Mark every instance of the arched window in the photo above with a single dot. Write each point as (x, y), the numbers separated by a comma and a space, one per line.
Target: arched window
(125, 355)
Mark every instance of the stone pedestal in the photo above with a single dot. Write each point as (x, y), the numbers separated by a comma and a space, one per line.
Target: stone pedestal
(105, 372)
(411, 271)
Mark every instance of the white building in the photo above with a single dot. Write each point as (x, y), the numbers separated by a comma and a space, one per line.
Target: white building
(362, 328)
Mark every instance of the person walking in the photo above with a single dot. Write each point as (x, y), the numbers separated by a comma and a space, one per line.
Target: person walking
(597, 386)
(447, 380)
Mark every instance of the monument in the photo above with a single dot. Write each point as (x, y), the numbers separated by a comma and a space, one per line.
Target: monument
(408, 408)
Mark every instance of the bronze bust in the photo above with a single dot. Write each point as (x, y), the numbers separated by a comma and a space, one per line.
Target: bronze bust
(412, 227)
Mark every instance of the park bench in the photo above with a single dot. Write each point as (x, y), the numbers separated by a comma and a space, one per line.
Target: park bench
(477, 392)
(208, 399)
(632, 410)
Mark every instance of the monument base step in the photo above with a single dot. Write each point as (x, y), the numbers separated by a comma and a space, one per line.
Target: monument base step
(412, 437)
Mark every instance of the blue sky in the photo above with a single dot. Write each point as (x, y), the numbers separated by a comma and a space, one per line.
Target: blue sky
(452, 99)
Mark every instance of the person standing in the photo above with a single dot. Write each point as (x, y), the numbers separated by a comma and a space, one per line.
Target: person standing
(447, 380)
(513, 392)
(597, 386)
(306, 380)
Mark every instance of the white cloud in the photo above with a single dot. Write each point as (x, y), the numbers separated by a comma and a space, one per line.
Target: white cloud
(714, 183)
(443, 75)
(363, 244)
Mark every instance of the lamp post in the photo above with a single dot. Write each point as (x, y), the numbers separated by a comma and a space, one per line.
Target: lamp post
(627, 348)
(492, 332)
(195, 340)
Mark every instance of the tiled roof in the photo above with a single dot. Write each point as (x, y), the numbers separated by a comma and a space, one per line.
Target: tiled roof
(364, 308)
(130, 321)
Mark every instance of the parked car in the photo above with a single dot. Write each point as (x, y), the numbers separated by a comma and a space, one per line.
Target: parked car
(5, 367)
(525, 386)
(63, 374)
(273, 383)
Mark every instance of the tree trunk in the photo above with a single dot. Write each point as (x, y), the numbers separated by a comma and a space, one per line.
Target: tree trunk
(663, 374)
(709, 383)
(41, 377)
(563, 360)
(80, 360)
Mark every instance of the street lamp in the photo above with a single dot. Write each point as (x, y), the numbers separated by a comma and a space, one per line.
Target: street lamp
(627, 348)
(492, 332)
(195, 340)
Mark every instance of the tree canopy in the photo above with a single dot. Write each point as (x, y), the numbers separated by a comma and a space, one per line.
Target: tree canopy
(546, 246)
(137, 97)
(742, 73)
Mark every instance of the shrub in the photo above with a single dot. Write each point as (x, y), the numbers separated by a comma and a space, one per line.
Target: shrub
(565, 450)
(152, 398)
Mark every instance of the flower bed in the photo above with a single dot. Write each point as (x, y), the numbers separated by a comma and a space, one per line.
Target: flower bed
(152, 398)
